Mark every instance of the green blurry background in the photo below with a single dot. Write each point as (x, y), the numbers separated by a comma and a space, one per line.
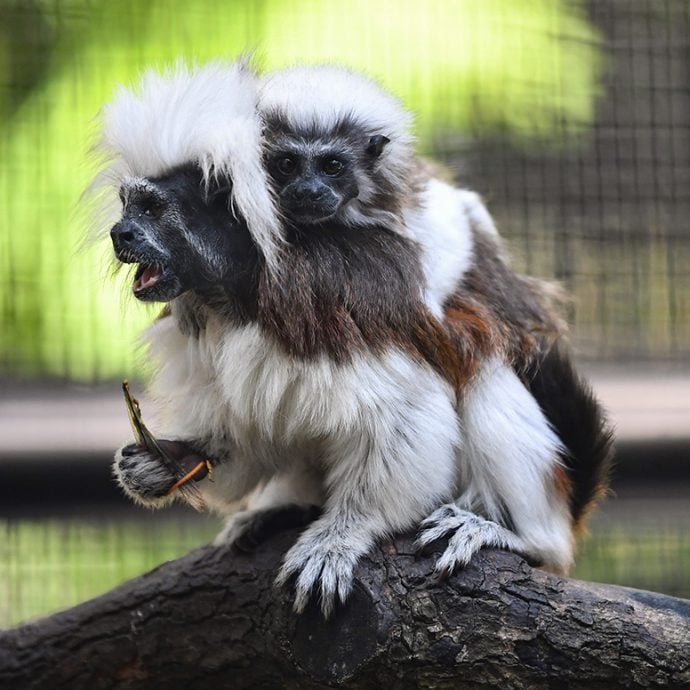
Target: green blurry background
(525, 69)
(571, 118)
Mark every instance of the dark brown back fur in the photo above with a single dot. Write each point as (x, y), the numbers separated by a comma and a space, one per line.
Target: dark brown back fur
(350, 290)
(522, 311)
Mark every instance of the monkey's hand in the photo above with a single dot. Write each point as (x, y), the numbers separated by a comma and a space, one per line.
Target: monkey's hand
(144, 476)
(154, 476)
(468, 534)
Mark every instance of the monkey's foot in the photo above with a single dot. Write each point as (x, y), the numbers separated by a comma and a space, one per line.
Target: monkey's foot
(144, 477)
(469, 533)
(324, 559)
(246, 529)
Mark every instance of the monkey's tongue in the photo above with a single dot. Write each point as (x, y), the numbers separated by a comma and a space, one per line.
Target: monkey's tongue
(147, 278)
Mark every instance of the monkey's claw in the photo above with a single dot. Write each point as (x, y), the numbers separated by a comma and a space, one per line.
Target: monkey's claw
(469, 533)
(320, 563)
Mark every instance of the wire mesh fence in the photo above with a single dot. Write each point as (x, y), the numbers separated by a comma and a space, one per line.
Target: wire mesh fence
(572, 119)
(608, 211)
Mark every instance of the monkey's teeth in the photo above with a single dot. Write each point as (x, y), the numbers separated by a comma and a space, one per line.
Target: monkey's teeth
(148, 278)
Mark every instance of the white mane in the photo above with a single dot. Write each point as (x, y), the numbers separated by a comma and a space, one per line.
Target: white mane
(320, 97)
(204, 116)
(320, 94)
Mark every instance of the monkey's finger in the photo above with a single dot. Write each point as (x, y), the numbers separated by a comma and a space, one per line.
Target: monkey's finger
(131, 450)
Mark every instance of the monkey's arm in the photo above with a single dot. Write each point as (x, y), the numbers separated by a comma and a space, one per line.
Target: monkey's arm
(189, 416)
(381, 476)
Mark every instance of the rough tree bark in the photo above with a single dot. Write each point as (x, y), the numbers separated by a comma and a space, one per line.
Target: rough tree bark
(214, 620)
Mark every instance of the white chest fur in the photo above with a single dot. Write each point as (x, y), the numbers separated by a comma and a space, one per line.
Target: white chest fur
(236, 383)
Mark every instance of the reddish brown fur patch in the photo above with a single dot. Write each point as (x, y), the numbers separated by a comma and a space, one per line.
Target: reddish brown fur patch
(430, 342)
(565, 488)
(601, 490)
(562, 483)
(473, 336)
(524, 311)
(354, 291)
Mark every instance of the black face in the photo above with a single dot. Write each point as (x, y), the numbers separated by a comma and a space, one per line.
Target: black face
(312, 185)
(181, 238)
(315, 180)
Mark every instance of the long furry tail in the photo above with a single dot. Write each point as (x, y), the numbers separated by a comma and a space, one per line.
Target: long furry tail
(580, 422)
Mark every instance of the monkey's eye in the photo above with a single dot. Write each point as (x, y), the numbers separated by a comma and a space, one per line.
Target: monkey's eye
(332, 167)
(152, 209)
(286, 165)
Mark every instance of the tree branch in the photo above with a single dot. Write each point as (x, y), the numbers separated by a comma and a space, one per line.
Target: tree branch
(213, 619)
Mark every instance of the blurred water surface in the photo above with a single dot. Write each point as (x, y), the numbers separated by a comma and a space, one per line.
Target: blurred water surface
(50, 564)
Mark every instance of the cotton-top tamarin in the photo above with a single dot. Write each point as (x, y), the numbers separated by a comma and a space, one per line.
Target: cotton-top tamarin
(533, 449)
(323, 363)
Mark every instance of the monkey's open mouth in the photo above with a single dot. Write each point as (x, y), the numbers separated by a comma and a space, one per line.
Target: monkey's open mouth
(156, 282)
(146, 277)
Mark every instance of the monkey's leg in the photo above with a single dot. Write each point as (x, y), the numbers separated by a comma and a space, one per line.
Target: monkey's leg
(288, 500)
(511, 474)
(326, 554)
(469, 533)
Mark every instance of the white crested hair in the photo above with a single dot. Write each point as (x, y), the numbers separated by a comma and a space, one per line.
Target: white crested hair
(204, 116)
(321, 97)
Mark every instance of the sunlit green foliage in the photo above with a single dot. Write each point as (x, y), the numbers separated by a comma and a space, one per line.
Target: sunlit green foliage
(525, 67)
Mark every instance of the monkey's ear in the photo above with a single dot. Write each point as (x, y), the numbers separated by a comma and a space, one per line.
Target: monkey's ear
(376, 144)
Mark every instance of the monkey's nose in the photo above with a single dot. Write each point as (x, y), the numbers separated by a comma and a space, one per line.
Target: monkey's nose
(311, 193)
(124, 237)
(121, 235)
